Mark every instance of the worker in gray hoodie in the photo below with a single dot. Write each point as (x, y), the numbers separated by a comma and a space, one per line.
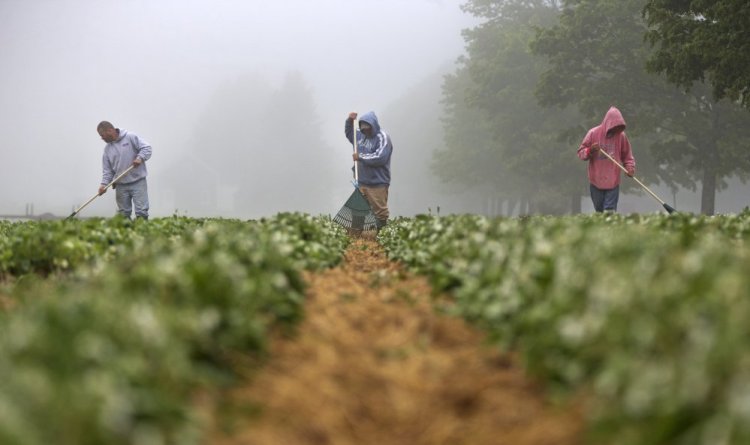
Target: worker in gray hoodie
(124, 149)
(374, 148)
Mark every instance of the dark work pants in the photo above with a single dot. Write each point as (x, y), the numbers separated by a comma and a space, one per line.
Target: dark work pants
(604, 200)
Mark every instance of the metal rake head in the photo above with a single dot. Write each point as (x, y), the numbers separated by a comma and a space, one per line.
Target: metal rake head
(356, 214)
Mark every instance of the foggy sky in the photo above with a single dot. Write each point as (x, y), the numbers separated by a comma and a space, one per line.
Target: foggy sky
(150, 66)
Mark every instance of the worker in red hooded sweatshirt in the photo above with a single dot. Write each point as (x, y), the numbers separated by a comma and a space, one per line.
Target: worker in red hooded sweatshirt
(604, 175)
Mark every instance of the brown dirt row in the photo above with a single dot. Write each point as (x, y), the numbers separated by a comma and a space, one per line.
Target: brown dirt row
(374, 363)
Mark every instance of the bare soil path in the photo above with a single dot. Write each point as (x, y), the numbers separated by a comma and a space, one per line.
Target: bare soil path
(374, 363)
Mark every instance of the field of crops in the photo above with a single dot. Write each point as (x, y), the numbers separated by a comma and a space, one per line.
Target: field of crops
(109, 329)
(646, 317)
(133, 318)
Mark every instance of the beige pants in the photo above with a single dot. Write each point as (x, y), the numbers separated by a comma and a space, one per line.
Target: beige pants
(377, 197)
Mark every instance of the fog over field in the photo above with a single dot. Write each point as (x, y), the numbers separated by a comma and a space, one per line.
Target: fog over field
(243, 101)
(244, 104)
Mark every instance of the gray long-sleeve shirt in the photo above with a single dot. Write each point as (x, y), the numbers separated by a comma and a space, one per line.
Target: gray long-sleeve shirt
(120, 154)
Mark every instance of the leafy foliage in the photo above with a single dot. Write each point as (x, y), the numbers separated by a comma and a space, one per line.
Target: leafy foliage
(496, 132)
(597, 58)
(699, 40)
(115, 353)
(45, 247)
(647, 313)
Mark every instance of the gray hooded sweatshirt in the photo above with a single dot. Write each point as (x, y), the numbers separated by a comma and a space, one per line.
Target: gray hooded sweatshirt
(374, 152)
(120, 154)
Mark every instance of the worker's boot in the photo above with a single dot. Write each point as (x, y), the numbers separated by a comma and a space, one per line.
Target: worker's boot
(380, 223)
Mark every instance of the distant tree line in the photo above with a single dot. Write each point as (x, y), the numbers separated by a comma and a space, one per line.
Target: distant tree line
(256, 150)
(539, 73)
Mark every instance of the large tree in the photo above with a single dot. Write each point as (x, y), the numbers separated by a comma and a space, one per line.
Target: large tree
(293, 166)
(256, 150)
(702, 40)
(469, 161)
(522, 154)
(413, 122)
(598, 56)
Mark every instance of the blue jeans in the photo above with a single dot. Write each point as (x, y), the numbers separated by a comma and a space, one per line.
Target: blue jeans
(134, 194)
(604, 200)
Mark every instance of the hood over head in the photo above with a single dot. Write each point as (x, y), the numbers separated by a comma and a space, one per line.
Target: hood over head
(122, 134)
(612, 119)
(371, 119)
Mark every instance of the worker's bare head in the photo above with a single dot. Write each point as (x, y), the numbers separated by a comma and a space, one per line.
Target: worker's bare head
(107, 131)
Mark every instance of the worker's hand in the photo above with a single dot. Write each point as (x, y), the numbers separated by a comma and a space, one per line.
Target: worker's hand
(102, 189)
(137, 161)
(631, 171)
(594, 148)
(355, 156)
(353, 115)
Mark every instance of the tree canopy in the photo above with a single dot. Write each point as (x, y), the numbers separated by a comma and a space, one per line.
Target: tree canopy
(538, 73)
(702, 40)
(598, 56)
(498, 137)
(253, 140)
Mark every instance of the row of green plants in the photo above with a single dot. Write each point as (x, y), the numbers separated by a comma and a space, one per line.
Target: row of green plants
(645, 317)
(157, 312)
(49, 247)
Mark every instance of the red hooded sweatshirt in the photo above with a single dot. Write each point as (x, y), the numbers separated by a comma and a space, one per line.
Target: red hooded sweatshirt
(603, 173)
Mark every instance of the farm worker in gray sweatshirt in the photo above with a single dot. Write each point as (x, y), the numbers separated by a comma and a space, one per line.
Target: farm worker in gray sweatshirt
(374, 148)
(124, 149)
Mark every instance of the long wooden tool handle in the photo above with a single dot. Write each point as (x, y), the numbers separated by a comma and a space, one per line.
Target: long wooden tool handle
(355, 124)
(127, 170)
(634, 178)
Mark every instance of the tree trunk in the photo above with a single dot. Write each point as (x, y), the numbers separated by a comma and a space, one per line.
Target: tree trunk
(575, 203)
(511, 206)
(708, 191)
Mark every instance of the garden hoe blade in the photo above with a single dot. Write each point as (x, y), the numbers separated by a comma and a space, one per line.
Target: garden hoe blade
(666, 206)
(75, 212)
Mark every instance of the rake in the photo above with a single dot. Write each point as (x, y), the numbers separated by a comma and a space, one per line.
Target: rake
(356, 214)
(75, 212)
(666, 206)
